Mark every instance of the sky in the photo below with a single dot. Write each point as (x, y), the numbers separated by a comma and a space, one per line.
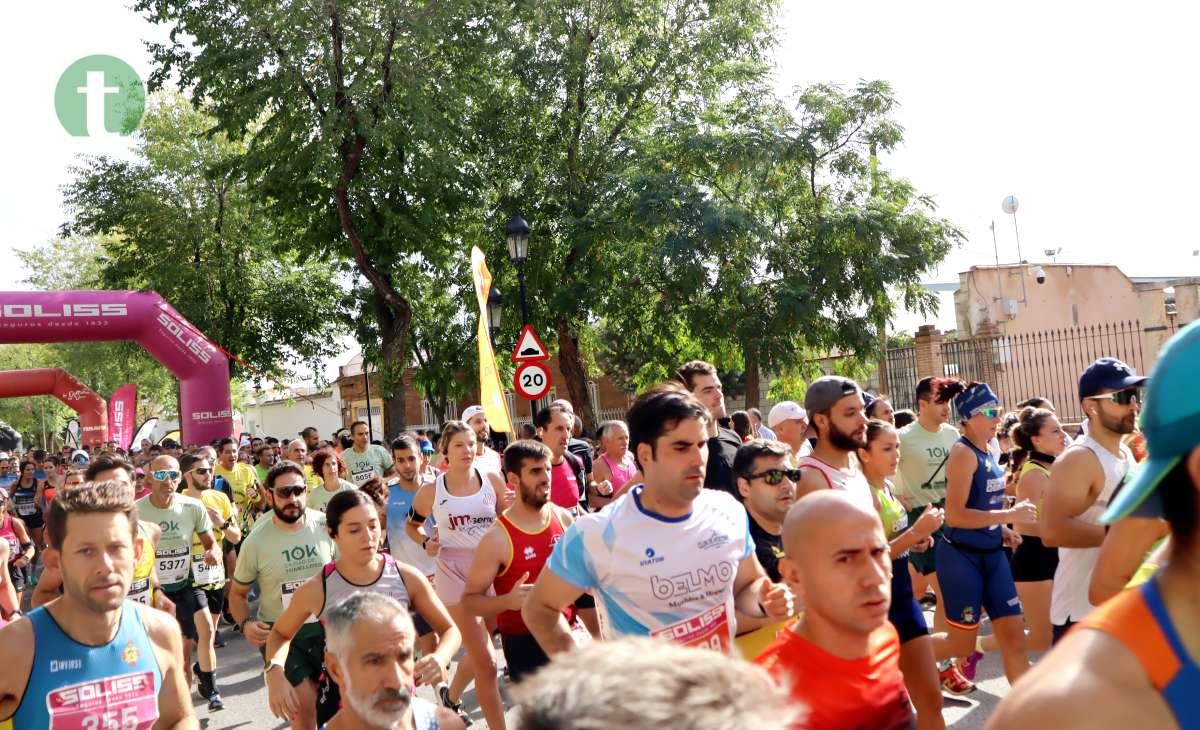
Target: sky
(1084, 112)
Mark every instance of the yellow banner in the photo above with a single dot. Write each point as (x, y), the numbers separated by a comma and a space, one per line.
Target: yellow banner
(491, 391)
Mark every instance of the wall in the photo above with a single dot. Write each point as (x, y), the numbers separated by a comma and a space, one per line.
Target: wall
(284, 419)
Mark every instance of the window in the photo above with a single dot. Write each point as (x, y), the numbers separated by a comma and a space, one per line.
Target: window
(427, 413)
(593, 391)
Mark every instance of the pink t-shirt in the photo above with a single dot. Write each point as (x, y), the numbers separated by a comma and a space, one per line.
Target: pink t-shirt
(564, 487)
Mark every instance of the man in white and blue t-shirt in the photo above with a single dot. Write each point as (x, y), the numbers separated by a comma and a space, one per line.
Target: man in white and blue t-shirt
(667, 558)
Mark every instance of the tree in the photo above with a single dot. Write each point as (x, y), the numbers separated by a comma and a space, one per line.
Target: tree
(360, 120)
(179, 219)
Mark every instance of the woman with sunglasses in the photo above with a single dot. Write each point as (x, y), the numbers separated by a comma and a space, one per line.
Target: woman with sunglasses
(971, 564)
(354, 524)
(878, 463)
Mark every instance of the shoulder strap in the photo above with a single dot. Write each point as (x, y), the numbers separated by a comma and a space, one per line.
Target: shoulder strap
(935, 471)
(1128, 619)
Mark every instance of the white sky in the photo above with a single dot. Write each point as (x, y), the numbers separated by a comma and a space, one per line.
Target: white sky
(1084, 111)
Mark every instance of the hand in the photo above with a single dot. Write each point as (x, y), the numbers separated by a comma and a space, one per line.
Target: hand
(432, 546)
(211, 556)
(930, 520)
(923, 545)
(256, 632)
(429, 671)
(604, 488)
(216, 518)
(1012, 538)
(507, 500)
(1023, 511)
(515, 599)
(776, 599)
(281, 695)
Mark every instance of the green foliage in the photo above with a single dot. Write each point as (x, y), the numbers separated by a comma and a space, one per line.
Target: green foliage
(793, 383)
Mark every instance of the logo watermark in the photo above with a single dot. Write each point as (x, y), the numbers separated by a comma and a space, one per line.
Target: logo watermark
(99, 96)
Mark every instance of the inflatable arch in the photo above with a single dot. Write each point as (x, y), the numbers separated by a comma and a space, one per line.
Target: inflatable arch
(206, 411)
(92, 409)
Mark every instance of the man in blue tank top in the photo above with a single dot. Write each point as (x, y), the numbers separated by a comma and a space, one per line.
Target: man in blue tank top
(91, 658)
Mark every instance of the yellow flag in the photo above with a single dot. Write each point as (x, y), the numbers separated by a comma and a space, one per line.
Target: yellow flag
(491, 392)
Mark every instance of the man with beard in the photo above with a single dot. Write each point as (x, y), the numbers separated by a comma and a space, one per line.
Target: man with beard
(284, 550)
(701, 380)
(511, 555)
(92, 642)
(312, 438)
(837, 411)
(1083, 480)
(486, 458)
(364, 459)
(370, 656)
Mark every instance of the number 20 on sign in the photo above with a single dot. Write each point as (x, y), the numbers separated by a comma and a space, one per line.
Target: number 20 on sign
(532, 381)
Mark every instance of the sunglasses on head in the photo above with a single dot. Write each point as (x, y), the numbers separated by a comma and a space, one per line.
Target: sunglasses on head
(166, 475)
(1121, 397)
(774, 477)
(289, 491)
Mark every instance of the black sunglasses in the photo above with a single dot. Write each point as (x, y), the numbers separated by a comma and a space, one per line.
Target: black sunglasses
(289, 491)
(774, 477)
(202, 470)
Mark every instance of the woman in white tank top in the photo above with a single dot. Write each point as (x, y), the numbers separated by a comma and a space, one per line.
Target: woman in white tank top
(464, 502)
(355, 526)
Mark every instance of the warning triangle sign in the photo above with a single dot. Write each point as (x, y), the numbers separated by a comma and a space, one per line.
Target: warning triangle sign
(529, 348)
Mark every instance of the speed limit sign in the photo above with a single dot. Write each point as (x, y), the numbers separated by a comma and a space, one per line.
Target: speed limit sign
(532, 380)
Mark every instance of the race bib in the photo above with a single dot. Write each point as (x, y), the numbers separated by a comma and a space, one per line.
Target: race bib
(707, 630)
(288, 590)
(26, 506)
(172, 564)
(127, 702)
(139, 591)
(204, 574)
(362, 474)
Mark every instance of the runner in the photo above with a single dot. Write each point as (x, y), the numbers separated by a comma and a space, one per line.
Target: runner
(1132, 662)
(486, 458)
(1039, 439)
(312, 438)
(464, 501)
(841, 657)
(761, 430)
(243, 482)
(881, 409)
(289, 546)
(364, 460)
(667, 558)
(20, 547)
(7, 474)
(835, 405)
(511, 555)
(264, 459)
(1084, 480)
(181, 518)
(701, 380)
(569, 486)
(790, 423)
(974, 570)
(198, 478)
(10, 604)
(576, 445)
(330, 466)
(91, 658)
(401, 491)
(768, 489)
(353, 523)
(24, 499)
(615, 465)
(297, 453)
(370, 657)
(879, 461)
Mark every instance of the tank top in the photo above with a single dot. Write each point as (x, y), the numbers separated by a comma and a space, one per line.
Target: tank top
(424, 715)
(527, 552)
(1031, 465)
(1069, 597)
(73, 685)
(463, 521)
(1138, 619)
(25, 500)
(337, 589)
(9, 535)
(141, 589)
(987, 495)
(891, 513)
(852, 481)
(622, 471)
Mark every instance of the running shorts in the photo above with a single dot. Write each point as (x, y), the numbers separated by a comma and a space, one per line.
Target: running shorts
(923, 563)
(306, 657)
(450, 576)
(187, 602)
(973, 581)
(523, 655)
(1033, 562)
(905, 613)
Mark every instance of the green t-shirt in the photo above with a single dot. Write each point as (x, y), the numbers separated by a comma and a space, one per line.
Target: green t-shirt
(261, 471)
(921, 454)
(281, 560)
(370, 463)
(185, 518)
(320, 496)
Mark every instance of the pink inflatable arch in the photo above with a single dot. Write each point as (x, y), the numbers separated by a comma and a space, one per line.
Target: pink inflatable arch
(92, 409)
(206, 411)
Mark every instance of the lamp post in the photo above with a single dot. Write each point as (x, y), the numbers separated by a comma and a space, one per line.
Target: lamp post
(495, 304)
(517, 233)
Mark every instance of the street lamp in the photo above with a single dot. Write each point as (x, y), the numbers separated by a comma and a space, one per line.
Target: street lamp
(495, 305)
(517, 233)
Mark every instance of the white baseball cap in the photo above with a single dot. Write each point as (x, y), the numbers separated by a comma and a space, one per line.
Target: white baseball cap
(786, 410)
(471, 412)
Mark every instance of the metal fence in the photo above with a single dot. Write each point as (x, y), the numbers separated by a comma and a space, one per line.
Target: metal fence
(902, 377)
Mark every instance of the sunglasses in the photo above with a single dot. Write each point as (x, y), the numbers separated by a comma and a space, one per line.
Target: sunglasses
(166, 475)
(993, 412)
(202, 470)
(1121, 397)
(774, 477)
(289, 491)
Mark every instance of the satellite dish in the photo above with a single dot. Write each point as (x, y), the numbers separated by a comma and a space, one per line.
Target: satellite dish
(1009, 205)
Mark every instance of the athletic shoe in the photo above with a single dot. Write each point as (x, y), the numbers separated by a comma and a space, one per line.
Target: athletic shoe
(218, 641)
(954, 683)
(455, 707)
(967, 666)
(214, 702)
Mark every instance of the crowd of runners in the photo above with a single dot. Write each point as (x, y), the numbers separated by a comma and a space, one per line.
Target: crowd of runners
(688, 568)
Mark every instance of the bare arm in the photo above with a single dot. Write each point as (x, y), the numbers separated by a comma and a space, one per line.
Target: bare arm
(543, 615)
(16, 656)
(960, 469)
(306, 601)
(423, 505)
(811, 480)
(239, 601)
(1032, 487)
(747, 588)
(1074, 483)
(490, 558)
(47, 587)
(233, 533)
(425, 601)
(8, 595)
(1125, 547)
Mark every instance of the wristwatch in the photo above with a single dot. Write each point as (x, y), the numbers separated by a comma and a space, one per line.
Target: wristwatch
(273, 663)
(228, 522)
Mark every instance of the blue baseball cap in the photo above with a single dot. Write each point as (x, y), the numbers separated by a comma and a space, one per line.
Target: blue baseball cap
(1171, 421)
(1107, 372)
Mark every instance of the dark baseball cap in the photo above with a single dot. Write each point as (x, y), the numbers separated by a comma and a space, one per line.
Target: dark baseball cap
(1107, 372)
(826, 391)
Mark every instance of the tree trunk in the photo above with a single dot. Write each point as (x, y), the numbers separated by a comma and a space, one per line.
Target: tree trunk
(753, 378)
(575, 374)
(393, 364)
